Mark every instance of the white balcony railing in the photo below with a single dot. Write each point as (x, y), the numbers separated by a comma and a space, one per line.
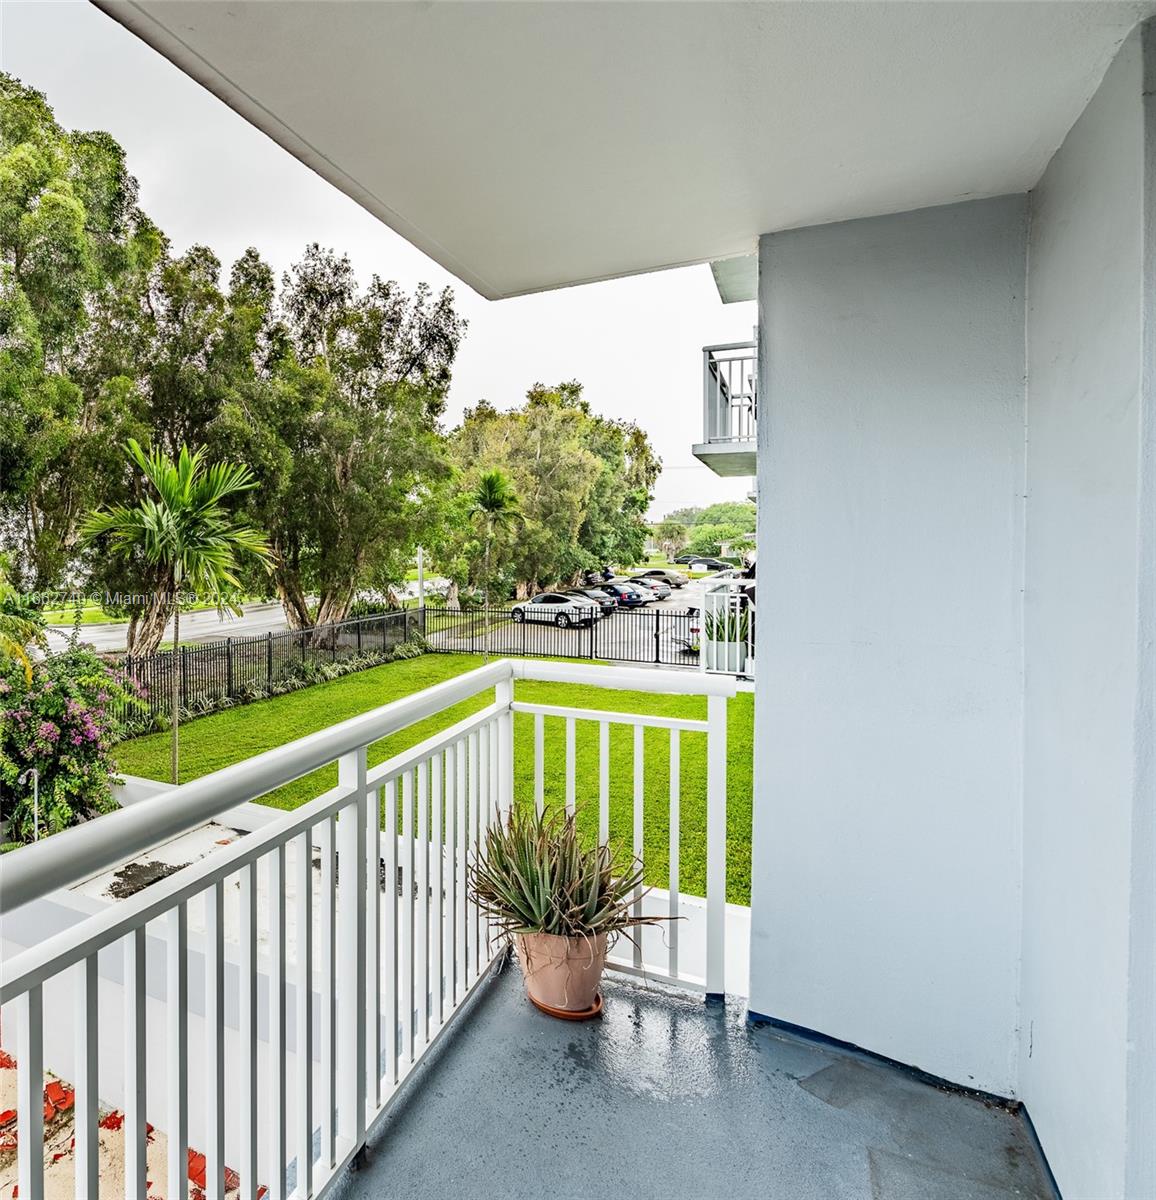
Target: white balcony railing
(333, 946)
(727, 628)
(730, 393)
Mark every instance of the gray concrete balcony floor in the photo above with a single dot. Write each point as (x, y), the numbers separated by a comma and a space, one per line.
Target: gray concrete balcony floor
(665, 1097)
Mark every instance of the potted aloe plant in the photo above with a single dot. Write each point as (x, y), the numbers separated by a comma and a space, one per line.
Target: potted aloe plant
(561, 902)
(726, 635)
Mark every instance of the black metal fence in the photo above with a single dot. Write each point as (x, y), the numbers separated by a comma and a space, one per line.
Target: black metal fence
(647, 635)
(244, 666)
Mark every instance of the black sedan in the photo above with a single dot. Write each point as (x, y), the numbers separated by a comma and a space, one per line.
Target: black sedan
(604, 601)
(625, 594)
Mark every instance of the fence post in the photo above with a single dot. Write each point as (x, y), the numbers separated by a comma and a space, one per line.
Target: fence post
(716, 847)
(358, 635)
(228, 666)
(657, 636)
(269, 657)
(184, 678)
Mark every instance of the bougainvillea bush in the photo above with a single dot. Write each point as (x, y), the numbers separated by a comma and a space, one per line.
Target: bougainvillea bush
(63, 725)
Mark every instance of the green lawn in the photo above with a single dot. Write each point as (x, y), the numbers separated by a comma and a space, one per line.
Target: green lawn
(212, 742)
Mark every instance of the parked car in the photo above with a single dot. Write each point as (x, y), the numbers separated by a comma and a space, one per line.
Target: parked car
(626, 595)
(606, 604)
(557, 609)
(683, 559)
(659, 587)
(675, 579)
(708, 564)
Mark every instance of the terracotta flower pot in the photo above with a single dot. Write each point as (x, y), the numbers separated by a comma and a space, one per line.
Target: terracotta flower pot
(560, 972)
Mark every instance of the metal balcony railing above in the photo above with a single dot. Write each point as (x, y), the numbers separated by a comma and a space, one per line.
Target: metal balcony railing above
(727, 628)
(730, 392)
(268, 1001)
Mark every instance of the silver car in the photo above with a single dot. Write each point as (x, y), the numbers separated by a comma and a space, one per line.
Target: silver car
(659, 587)
(675, 579)
(556, 609)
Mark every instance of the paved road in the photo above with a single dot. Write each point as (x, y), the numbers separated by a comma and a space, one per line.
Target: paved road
(613, 640)
(203, 626)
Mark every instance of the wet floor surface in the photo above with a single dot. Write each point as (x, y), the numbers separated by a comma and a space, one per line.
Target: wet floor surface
(664, 1097)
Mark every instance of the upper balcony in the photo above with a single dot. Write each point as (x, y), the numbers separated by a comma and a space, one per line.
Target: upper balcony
(730, 408)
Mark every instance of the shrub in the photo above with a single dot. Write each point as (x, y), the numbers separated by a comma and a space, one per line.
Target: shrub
(62, 725)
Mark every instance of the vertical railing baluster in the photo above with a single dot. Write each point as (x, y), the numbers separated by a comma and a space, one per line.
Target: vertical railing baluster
(177, 1014)
(639, 767)
(603, 782)
(571, 767)
(351, 955)
(438, 884)
(450, 954)
(391, 930)
(504, 742)
(422, 962)
(135, 1085)
(462, 837)
(407, 907)
(483, 810)
(675, 851)
(327, 978)
(716, 846)
(539, 763)
(373, 946)
(87, 1103)
(304, 1013)
(247, 1028)
(215, 1038)
(277, 1034)
(474, 807)
(30, 1096)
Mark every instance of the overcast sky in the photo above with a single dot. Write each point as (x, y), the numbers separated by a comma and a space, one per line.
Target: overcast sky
(207, 176)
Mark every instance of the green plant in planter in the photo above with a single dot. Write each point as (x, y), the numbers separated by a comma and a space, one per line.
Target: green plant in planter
(560, 901)
(534, 875)
(730, 625)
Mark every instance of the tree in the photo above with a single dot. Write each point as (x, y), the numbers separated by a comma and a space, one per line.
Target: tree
(186, 534)
(672, 537)
(70, 229)
(343, 431)
(494, 507)
(584, 483)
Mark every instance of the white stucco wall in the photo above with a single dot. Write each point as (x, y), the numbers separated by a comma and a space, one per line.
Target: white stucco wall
(1088, 868)
(888, 698)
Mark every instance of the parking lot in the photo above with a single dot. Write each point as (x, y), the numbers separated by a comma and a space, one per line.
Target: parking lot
(661, 632)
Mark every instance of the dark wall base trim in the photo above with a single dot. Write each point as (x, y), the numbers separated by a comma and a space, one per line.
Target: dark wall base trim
(1039, 1148)
(761, 1021)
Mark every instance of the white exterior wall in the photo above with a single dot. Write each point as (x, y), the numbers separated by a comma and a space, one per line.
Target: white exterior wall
(888, 694)
(955, 823)
(1087, 1017)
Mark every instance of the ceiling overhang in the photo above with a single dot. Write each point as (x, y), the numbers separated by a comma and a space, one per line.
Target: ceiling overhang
(527, 146)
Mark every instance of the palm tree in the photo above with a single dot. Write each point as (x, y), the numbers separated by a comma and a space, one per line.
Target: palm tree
(187, 532)
(17, 631)
(493, 506)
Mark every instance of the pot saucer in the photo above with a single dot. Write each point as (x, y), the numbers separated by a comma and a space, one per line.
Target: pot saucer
(568, 1014)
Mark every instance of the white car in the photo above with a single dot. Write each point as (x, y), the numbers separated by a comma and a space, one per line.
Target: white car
(557, 609)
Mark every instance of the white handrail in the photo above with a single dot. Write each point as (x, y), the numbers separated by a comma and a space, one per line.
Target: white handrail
(373, 932)
(32, 872)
